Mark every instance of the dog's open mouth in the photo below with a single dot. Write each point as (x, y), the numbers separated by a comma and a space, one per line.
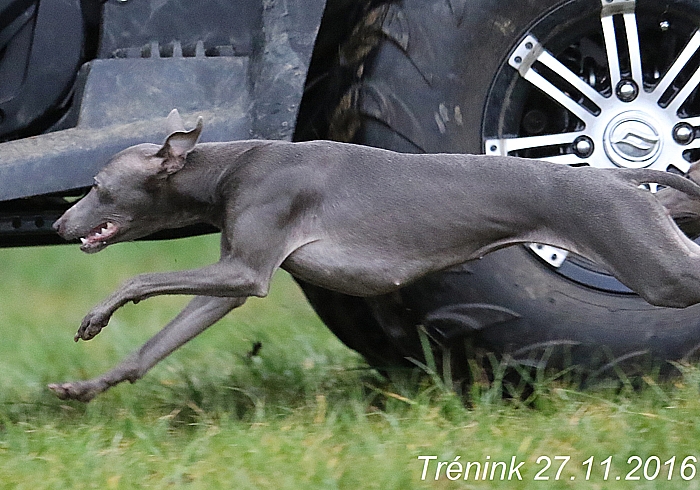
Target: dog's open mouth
(98, 237)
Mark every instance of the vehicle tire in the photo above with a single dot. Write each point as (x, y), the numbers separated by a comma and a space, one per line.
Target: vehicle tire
(469, 77)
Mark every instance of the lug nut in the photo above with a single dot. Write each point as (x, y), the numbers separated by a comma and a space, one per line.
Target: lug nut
(583, 147)
(683, 133)
(627, 91)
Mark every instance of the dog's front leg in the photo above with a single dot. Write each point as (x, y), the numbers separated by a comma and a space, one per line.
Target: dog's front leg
(226, 278)
(198, 315)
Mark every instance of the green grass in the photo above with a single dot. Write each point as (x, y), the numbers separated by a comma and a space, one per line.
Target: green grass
(305, 413)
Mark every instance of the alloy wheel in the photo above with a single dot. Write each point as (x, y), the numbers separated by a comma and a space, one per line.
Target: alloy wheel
(612, 88)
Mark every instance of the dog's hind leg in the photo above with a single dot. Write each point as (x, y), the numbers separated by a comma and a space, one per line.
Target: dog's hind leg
(198, 315)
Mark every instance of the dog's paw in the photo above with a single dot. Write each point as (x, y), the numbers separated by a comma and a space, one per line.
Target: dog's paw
(92, 324)
(82, 391)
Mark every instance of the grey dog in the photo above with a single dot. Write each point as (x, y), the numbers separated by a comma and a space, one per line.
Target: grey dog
(361, 221)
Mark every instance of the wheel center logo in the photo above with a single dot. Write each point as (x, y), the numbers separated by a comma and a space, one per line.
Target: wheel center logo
(632, 141)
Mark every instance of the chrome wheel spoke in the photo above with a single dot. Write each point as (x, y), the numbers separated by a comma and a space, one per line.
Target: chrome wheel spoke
(552, 255)
(527, 54)
(693, 145)
(681, 61)
(569, 159)
(555, 65)
(685, 92)
(548, 88)
(630, 20)
(693, 121)
(653, 187)
(505, 146)
(611, 49)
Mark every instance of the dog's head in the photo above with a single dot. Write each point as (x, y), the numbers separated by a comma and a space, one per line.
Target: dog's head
(129, 197)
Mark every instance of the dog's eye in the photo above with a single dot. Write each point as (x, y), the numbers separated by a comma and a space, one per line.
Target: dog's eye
(103, 194)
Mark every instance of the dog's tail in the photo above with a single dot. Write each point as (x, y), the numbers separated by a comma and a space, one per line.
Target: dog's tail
(641, 176)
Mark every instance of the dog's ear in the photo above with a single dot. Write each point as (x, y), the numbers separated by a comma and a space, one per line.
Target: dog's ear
(176, 147)
(174, 122)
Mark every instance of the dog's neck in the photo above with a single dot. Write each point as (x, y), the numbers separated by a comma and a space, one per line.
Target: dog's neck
(196, 188)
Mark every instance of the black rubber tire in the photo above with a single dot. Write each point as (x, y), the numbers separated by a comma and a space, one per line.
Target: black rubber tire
(423, 88)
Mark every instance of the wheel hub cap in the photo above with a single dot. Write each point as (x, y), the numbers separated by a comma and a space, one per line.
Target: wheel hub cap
(631, 140)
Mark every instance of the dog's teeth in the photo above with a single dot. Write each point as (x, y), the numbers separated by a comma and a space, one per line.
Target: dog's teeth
(104, 230)
(83, 240)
